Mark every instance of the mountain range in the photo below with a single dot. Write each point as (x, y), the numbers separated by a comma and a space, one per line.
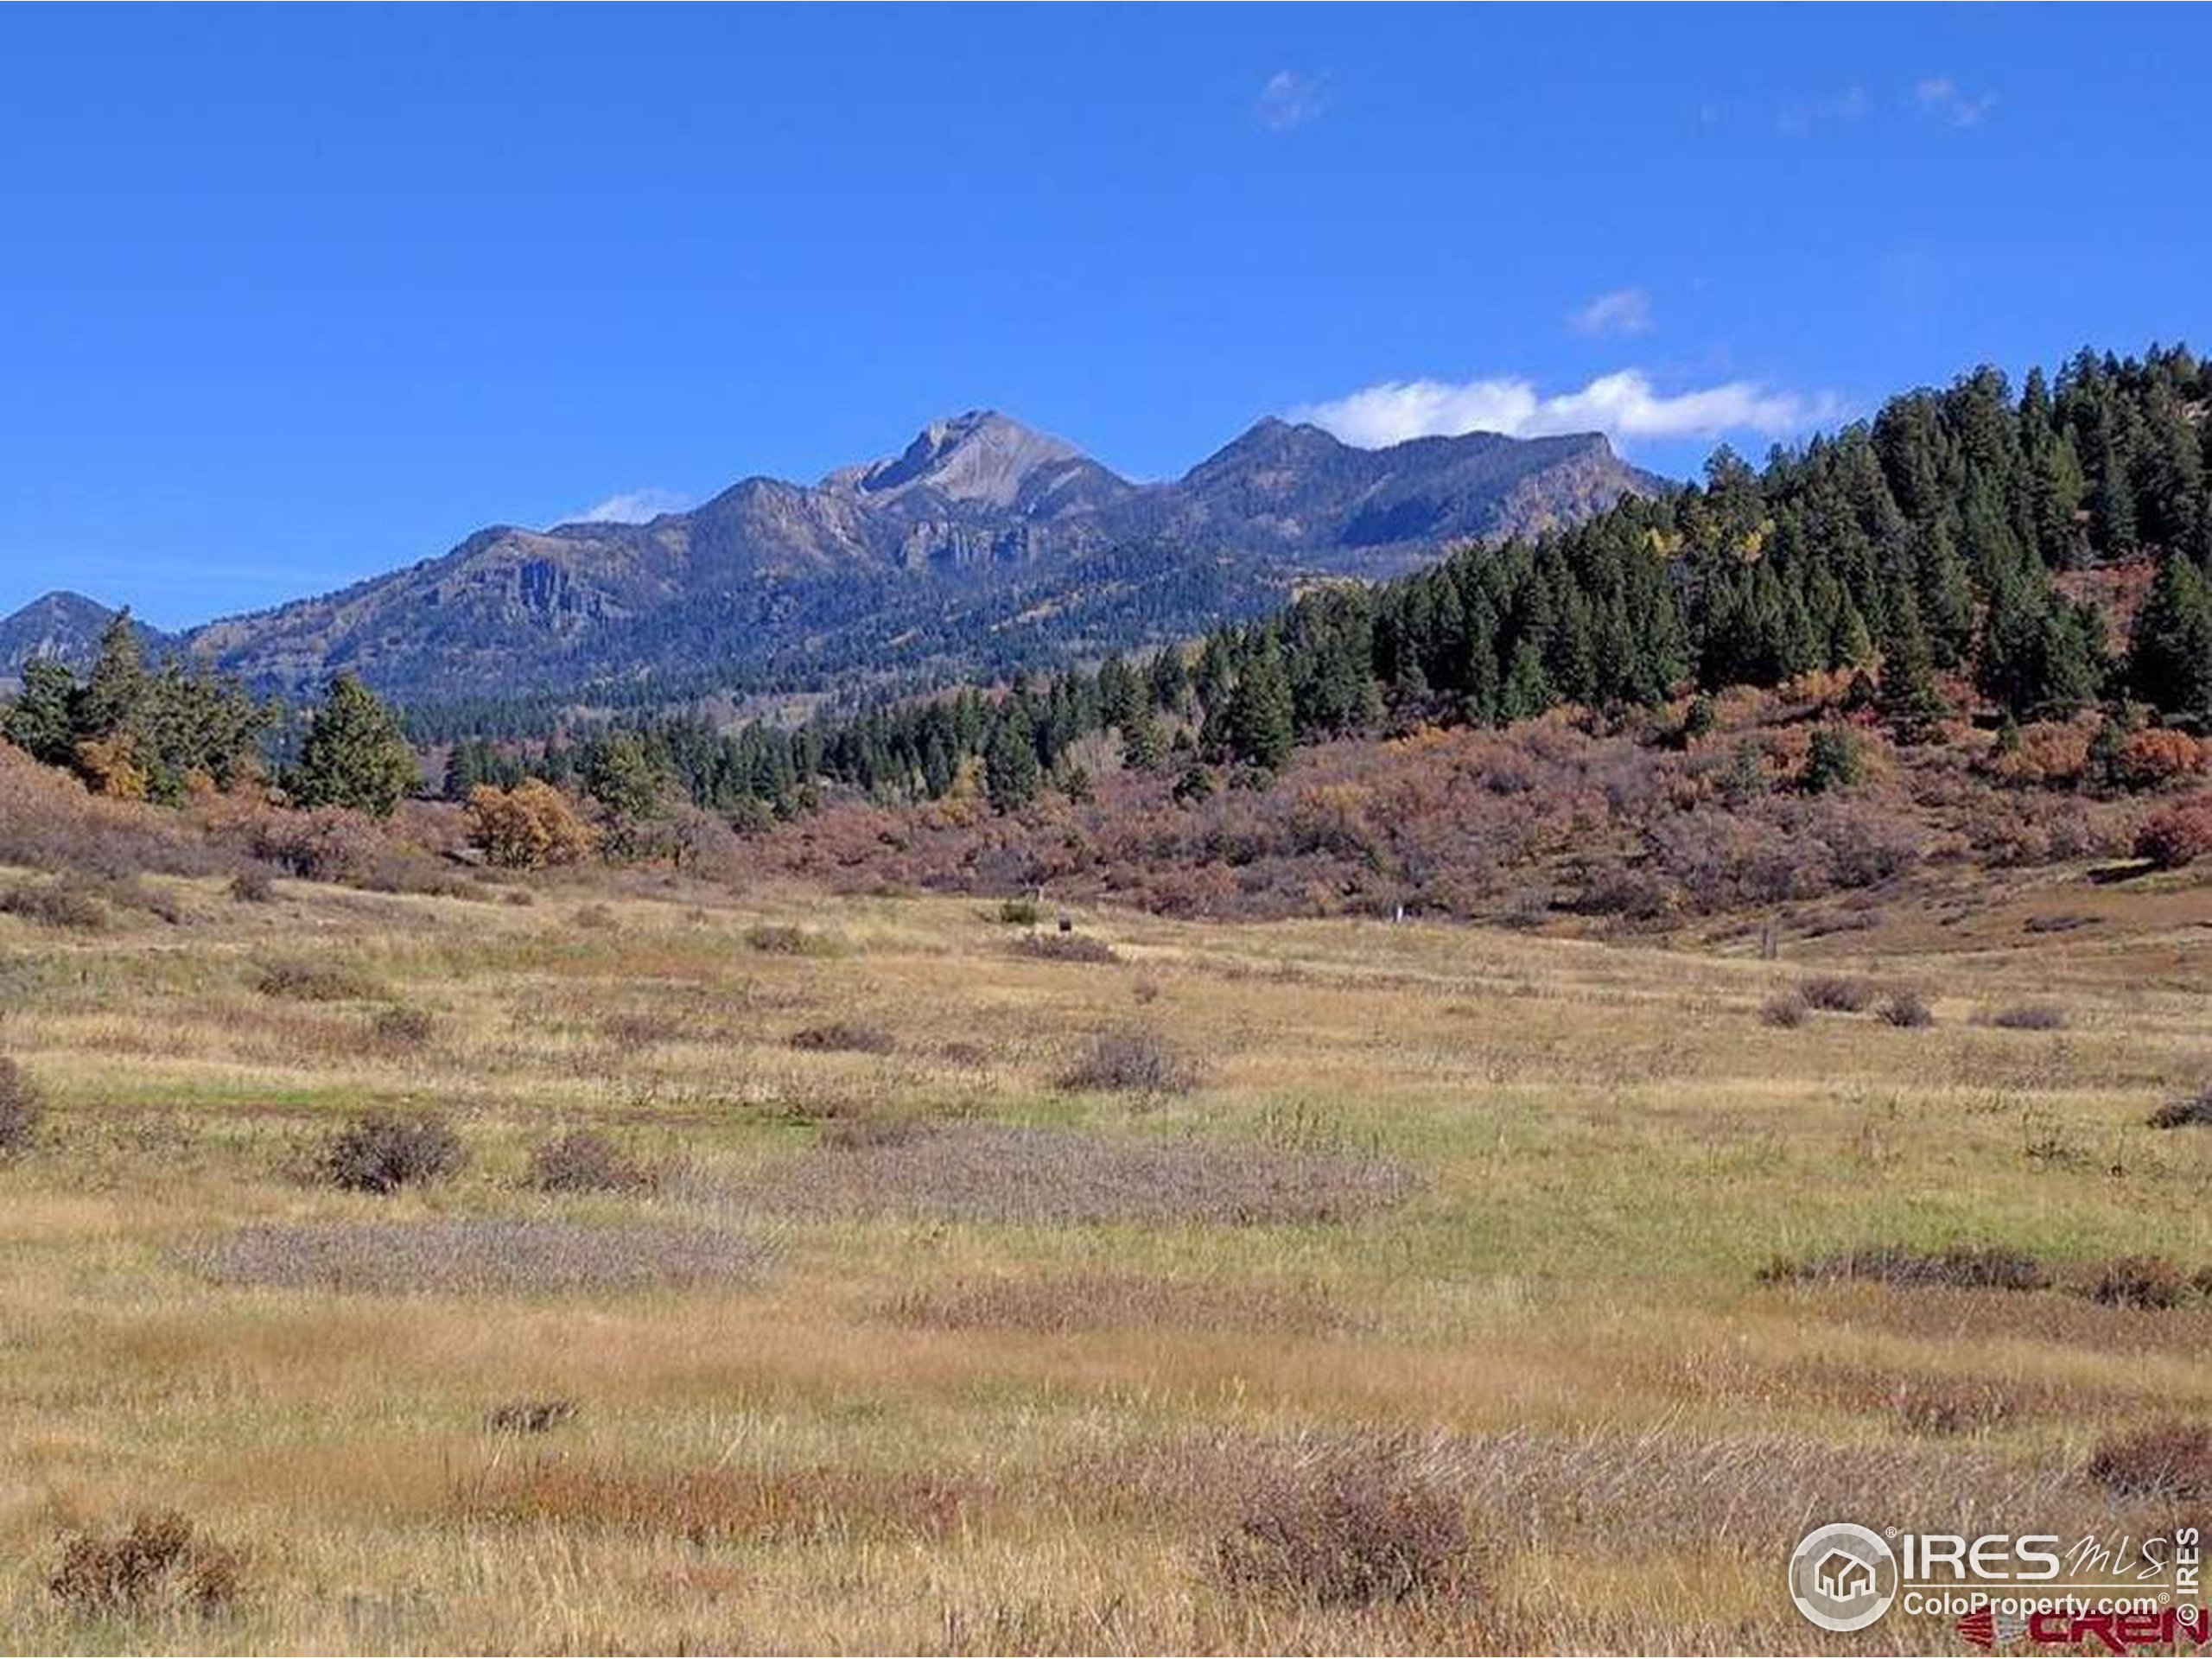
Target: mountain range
(983, 547)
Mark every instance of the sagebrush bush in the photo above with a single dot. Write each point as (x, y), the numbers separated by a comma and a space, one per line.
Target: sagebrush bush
(1356, 1525)
(1835, 994)
(2184, 1110)
(1019, 913)
(2030, 1016)
(1786, 1009)
(1131, 1062)
(846, 1036)
(69, 903)
(19, 1108)
(382, 1151)
(1064, 947)
(1960, 1267)
(161, 1559)
(253, 886)
(776, 940)
(2146, 1282)
(403, 1027)
(582, 1162)
(1908, 1010)
(312, 981)
(2167, 1460)
(530, 1416)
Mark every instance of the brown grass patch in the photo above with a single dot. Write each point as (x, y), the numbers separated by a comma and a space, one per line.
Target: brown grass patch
(478, 1255)
(1835, 994)
(993, 1172)
(531, 1416)
(1101, 1300)
(2146, 1281)
(724, 1505)
(1064, 947)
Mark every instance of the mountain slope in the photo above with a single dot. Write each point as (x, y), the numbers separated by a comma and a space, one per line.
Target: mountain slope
(982, 545)
(65, 626)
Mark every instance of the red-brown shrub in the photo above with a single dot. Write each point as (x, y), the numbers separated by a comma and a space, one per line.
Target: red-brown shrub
(2178, 835)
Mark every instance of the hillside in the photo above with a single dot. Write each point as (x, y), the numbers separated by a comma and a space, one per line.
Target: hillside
(983, 547)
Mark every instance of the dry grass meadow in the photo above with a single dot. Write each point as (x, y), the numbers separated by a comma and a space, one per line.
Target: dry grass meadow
(1293, 1287)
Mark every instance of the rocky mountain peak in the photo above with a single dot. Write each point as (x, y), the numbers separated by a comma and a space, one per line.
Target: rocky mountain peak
(982, 456)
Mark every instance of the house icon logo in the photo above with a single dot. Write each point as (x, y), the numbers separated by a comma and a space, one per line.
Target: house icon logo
(1843, 1577)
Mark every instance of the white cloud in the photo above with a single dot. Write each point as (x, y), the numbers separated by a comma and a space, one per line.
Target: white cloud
(1943, 98)
(1289, 99)
(1623, 311)
(632, 507)
(1624, 405)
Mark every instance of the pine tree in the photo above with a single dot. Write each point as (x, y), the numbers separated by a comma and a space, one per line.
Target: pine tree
(115, 692)
(355, 755)
(40, 722)
(2170, 659)
(1261, 722)
(1011, 774)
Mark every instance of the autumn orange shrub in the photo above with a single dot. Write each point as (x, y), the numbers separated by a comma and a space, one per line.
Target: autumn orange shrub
(2158, 755)
(528, 827)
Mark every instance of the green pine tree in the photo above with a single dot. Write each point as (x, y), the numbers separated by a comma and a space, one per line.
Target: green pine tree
(355, 754)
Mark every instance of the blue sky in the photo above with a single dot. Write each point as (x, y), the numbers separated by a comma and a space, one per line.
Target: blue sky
(291, 296)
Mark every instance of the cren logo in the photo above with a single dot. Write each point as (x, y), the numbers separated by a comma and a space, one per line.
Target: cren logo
(1986, 1628)
(1843, 1577)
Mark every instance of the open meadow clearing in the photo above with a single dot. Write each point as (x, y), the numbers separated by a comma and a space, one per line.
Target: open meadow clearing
(779, 1273)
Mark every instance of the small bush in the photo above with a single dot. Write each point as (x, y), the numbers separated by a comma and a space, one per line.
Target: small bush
(775, 940)
(19, 1108)
(2179, 1113)
(161, 1559)
(582, 1162)
(2168, 1460)
(2145, 1281)
(1948, 1408)
(2157, 755)
(1786, 1009)
(69, 904)
(1960, 1267)
(2030, 1016)
(1908, 1010)
(312, 981)
(1131, 1062)
(2180, 834)
(1064, 947)
(844, 1036)
(534, 1416)
(403, 1028)
(1357, 1525)
(1019, 913)
(253, 886)
(1834, 994)
(1833, 762)
(596, 918)
(381, 1152)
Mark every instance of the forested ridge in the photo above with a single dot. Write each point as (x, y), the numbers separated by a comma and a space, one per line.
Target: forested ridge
(1929, 549)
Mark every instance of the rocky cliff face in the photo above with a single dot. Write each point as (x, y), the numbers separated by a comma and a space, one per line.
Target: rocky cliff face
(977, 520)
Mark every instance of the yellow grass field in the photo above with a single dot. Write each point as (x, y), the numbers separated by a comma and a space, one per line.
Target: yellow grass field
(910, 1345)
